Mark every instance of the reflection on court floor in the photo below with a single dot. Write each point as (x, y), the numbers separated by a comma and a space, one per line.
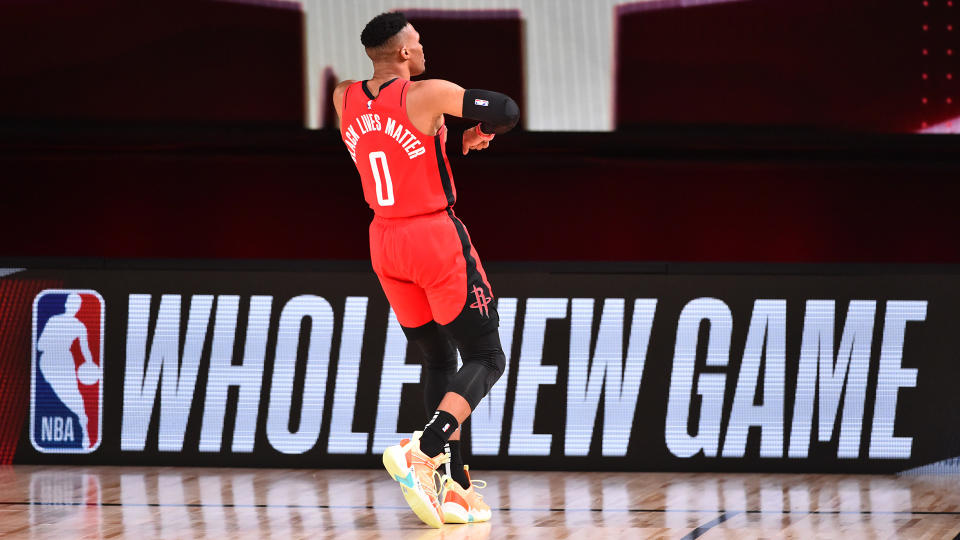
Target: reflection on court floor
(44, 502)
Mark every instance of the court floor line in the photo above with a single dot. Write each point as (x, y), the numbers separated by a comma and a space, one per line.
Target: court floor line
(702, 529)
(505, 509)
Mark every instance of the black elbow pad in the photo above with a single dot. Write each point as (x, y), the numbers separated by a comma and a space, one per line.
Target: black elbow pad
(496, 112)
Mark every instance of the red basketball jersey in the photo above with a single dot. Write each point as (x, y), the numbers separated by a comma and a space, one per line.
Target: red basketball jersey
(404, 172)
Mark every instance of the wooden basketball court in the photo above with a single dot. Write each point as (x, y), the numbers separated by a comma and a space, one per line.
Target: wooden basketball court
(140, 502)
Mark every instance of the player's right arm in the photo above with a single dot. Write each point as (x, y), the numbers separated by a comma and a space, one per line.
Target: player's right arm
(429, 100)
(338, 93)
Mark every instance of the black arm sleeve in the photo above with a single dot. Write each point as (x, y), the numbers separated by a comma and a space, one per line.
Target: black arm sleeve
(496, 112)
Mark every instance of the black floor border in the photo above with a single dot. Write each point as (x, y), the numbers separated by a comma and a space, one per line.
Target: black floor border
(731, 513)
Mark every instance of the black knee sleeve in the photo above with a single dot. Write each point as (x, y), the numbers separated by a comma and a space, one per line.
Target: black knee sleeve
(483, 364)
(439, 360)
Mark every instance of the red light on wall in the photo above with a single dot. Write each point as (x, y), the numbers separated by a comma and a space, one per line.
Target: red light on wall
(926, 27)
(925, 3)
(949, 28)
(949, 76)
(923, 100)
(923, 125)
(926, 52)
(949, 101)
(924, 76)
(949, 52)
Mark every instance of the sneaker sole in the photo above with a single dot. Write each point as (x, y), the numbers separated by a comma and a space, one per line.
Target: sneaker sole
(454, 513)
(396, 465)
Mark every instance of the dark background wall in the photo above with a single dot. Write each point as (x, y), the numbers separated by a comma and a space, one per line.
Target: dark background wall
(170, 62)
(855, 65)
(295, 195)
(171, 129)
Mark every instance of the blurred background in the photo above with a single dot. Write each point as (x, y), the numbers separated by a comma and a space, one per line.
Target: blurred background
(666, 130)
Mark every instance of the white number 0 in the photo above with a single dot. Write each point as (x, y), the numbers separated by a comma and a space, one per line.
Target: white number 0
(384, 200)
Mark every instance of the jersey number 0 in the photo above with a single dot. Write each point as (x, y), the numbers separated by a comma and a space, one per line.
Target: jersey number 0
(378, 163)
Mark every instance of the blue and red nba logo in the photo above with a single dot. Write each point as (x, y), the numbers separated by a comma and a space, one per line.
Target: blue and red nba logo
(66, 385)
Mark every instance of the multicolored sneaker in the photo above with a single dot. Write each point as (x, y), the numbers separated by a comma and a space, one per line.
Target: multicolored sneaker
(464, 505)
(416, 471)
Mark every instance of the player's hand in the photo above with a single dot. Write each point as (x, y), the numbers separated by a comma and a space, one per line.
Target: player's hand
(473, 141)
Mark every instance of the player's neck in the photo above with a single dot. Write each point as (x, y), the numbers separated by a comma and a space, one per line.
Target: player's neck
(386, 71)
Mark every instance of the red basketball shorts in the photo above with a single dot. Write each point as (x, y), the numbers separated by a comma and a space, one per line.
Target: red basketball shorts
(430, 271)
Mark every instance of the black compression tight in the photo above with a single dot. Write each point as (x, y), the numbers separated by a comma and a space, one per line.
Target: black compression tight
(439, 362)
(483, 363)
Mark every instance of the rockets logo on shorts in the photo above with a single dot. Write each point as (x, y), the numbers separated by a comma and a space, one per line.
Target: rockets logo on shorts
(66, 385)
(481, 102)
(482, 301)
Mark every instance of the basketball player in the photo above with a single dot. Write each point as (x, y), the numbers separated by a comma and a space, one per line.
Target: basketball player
(395, 133)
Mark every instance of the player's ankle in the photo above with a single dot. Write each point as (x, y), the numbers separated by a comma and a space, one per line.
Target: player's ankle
(460, 477)
(456, 465)
(437, 432)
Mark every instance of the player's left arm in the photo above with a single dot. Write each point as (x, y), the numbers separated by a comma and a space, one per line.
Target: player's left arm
(496, 112)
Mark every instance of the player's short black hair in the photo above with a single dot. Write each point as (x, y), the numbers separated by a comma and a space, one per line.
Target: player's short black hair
(381, 28)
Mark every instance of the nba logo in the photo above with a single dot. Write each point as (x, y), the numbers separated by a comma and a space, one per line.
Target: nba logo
(66, 384)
